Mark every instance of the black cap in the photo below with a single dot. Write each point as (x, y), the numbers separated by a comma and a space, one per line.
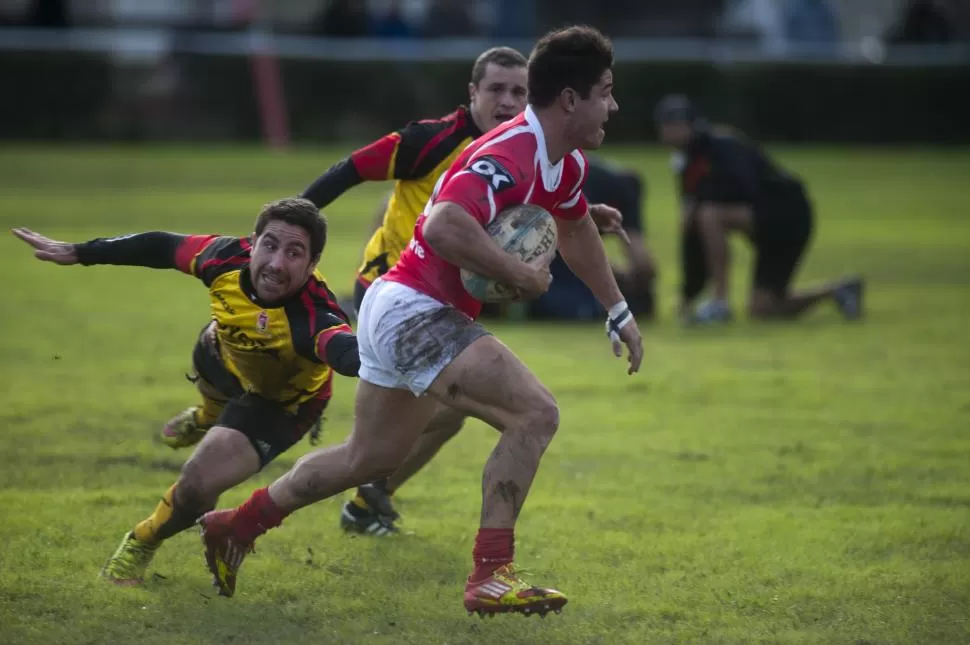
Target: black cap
(675, 107)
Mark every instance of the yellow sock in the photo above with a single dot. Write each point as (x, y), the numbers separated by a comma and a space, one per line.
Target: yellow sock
(147, 530)
(359, 502)
(205, 417)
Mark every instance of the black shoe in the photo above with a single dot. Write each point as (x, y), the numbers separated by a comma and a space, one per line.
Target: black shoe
(355, 519)
(848, 298)
(379, 500)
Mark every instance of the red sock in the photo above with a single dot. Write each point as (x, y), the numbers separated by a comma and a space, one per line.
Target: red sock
(257, 515)
(493, 548)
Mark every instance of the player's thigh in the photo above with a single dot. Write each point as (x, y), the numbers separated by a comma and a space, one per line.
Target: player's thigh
(222, 459)
(780, 241)
(489, 382)
(387, 422)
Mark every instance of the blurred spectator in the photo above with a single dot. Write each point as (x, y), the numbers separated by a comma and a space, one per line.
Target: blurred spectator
(449, 18)
(762, 20)
(512, 18)
(923, 21)
(811, 21)
(391, 22)
(341, 18)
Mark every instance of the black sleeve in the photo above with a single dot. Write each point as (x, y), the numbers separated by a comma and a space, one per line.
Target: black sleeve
(341, 177)
(693, 263)
(342, 354)
(155, 249)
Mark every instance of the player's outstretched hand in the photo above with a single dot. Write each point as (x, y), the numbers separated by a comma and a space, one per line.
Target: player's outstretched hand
(622, 329)
(630, 335)
(47, 249)
(608, 220)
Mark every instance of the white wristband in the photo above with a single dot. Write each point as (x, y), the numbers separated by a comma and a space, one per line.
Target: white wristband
(617, 309)
(618, 317)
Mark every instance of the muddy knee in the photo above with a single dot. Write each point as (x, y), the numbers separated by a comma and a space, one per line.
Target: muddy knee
(542, 419)
(191, 491)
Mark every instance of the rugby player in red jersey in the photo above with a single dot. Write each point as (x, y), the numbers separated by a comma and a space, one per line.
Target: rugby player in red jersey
(419, 342)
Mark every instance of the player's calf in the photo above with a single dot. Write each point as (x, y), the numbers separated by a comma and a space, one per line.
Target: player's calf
(372, 511)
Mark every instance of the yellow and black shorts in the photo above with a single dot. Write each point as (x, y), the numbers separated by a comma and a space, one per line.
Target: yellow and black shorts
(269, 426)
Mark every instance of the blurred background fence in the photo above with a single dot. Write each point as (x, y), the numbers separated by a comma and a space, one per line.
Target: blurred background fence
(886, 71)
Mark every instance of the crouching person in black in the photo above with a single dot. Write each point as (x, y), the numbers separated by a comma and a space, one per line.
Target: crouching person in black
(728, 185)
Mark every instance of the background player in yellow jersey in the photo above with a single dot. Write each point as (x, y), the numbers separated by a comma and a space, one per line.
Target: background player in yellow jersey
(415, 157)
(419, 153)
(264, 362)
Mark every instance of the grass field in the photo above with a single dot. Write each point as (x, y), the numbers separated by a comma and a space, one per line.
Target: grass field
(803, 483)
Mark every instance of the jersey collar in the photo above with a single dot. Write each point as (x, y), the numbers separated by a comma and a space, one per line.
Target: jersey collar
(551, 173)
(471, 127)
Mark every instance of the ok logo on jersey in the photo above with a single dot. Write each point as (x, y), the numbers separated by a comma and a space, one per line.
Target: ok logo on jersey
(493, 172)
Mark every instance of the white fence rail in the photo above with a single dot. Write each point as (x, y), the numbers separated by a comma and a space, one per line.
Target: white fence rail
(154, 42)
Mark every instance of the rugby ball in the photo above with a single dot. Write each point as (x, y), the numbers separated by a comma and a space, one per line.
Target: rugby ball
(526, 231)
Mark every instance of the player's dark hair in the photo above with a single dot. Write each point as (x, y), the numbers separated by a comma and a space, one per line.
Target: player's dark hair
(298, 212)
(501, 56)
(574, 57)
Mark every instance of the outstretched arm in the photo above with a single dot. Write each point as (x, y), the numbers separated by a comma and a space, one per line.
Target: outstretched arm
(374, 162)
(156, 249)
(398, 155)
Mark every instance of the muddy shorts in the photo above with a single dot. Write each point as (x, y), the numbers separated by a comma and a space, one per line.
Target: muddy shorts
(407, 338)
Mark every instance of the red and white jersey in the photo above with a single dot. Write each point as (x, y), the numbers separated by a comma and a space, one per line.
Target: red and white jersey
(506, 167)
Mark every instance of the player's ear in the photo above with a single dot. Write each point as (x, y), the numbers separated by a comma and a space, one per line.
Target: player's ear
(567, 99)
(312, 266)
(472, 90)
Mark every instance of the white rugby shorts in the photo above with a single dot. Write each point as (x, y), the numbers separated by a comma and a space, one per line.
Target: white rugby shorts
(406, 338)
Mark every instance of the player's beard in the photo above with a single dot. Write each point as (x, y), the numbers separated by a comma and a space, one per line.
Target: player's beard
(271, 285)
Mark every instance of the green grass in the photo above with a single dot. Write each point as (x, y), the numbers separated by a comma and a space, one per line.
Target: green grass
(803, 483)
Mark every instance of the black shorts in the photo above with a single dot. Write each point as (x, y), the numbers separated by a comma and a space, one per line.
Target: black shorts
(269, 426)
(783, 231)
